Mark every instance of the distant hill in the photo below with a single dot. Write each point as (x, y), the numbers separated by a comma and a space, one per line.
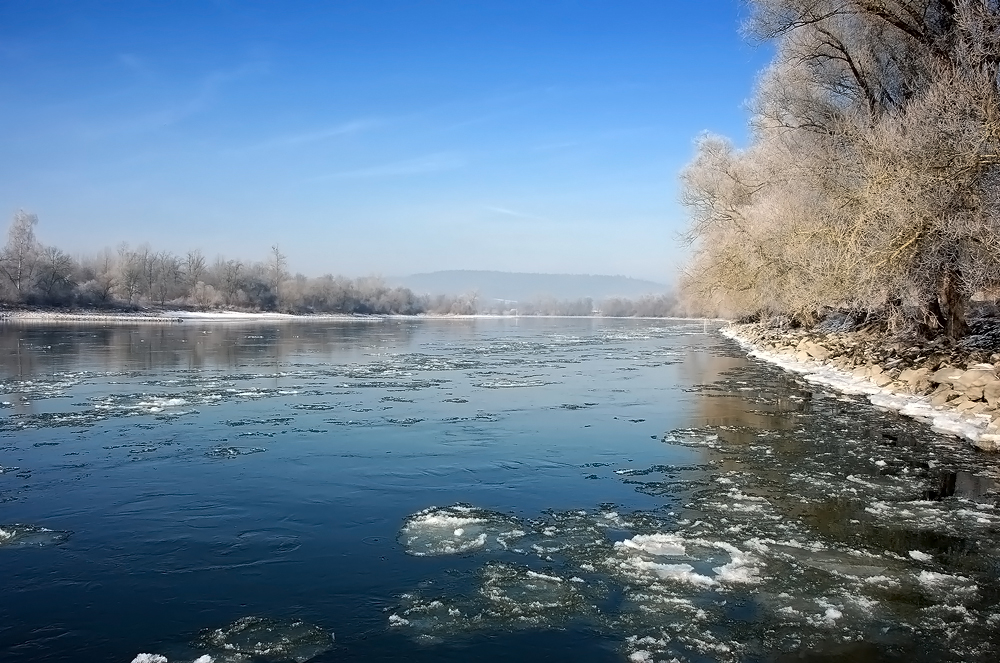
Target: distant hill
(524, 287)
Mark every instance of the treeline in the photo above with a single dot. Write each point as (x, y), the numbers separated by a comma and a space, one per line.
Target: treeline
(648, 306)
(871, 184)
(131, 277)
(34, 274)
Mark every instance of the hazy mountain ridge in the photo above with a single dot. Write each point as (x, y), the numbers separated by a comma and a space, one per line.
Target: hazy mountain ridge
(526, 286)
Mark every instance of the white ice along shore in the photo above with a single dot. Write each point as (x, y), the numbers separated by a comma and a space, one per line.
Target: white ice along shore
(941, 419)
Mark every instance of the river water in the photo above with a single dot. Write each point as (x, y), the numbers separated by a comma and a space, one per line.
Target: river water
(541, 489)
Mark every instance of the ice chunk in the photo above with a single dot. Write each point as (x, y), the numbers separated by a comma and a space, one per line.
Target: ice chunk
(743, 568)
(664, 545)
(456, 529)
(267, 639)
(947, 586)
(23, 536)
(921, 556)
(149, 658)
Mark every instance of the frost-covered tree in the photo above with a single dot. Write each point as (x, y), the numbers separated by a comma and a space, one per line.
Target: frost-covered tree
(19, 258)
(871, 182)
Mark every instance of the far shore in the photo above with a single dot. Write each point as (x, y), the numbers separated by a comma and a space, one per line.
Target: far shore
(174, 316)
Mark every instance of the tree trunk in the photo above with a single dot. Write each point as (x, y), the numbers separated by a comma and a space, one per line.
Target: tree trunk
(951, 300)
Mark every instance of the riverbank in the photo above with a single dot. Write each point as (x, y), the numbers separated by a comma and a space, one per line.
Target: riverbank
(169, 316)
(955, 388)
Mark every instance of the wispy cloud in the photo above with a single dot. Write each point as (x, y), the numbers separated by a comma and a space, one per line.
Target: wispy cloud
(294, 140)
(207, 89)
(431, 163)
(513, 213)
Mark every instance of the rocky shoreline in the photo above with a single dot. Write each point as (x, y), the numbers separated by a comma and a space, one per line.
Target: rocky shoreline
(955, 388)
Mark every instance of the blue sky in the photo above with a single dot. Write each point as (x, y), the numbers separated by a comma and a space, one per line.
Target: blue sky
(369, 137)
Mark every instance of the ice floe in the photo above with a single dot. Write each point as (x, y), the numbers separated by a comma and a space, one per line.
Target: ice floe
(457, 529)
(263, 639)
(27, 536)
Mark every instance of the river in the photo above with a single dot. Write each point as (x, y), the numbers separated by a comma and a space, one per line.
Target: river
(475, 489)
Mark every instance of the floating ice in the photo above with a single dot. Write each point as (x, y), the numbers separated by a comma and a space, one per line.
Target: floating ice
(159, 404)
(921, 556)
(149, 658)
(655, 544)
(26, 536)
(233, 452)
(263, 639)
(948, 587)
(456, 529)
(743, 568)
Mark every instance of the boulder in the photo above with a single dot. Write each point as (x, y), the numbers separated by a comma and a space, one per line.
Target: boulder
(817, 352)
(942, 397)
(946, 375)
(881, 379)
(976, 377)
(913, 375)
(974, 393)
(991, 394)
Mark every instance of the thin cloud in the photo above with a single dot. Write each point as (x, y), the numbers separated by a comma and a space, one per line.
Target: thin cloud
(513, 213)
(134, 63)
(431, 163)
(208, 88)
(294, 140)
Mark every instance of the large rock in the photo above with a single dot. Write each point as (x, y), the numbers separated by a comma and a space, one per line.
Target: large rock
(881, 379)
(974, 393)
(991, 394)
(913, 375)
(976, 377)
(943, 397)
(817, 352)
(946, 375)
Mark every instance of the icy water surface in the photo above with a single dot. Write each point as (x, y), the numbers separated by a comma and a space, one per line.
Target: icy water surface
(558, 490)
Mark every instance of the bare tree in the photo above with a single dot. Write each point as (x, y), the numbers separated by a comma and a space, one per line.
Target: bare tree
(278, 271)
(194, 269)
(55, 275)
(232, 279)
(19, 257)
(130, 275)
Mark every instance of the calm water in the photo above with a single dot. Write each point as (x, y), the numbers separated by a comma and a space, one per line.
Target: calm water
(559, 490)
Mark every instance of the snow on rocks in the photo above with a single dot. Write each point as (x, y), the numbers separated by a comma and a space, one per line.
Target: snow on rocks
(917, 382)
